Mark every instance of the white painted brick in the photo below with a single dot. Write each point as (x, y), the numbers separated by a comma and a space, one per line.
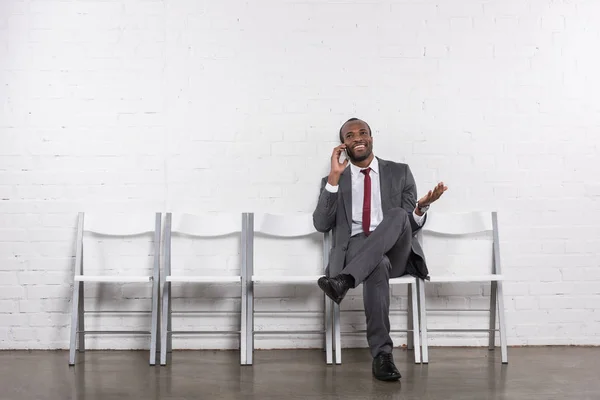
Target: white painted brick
(527, 330)
(43, 278)
(580, 274)
(44, 291)
(557, 288)
(526, 303)
(49, 264)
(586, 288)
(30, 306)
(517, 8)
(9, 306)
(51, 235)
(569, 302)
(526, 316)
(6, 192)
(13, 249)
(58, 304)
(8, 278)
(13, 319)
(22, 334)
(40, 320)
(553, 23)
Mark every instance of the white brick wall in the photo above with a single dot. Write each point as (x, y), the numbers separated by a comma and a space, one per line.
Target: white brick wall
(202, 106)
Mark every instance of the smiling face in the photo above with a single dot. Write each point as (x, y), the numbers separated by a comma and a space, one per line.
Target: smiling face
(356, 135)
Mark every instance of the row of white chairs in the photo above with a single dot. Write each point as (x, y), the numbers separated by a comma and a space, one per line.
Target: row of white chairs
(246, 225)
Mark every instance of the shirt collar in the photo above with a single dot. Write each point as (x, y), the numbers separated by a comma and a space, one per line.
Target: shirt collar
(374, 167)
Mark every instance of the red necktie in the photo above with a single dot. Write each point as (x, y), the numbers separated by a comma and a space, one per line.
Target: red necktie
(366, 217)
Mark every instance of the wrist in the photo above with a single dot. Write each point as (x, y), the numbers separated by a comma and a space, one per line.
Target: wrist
(421, 209)
(333, 179)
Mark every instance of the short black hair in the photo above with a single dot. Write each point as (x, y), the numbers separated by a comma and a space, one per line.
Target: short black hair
(351, 120)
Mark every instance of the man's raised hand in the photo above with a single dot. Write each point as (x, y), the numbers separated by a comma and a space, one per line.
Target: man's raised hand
(336, 167)
(433, 195)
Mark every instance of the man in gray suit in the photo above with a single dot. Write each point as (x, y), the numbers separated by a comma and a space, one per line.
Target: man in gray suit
(372, 209)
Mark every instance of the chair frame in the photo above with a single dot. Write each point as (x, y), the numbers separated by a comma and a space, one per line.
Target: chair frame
(412, 315)
(496, 300)
(167, 312)
(249, 285)
(78, 332)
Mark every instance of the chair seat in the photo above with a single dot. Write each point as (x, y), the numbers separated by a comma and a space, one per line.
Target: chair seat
(205, 279)
(403, 280)
(112, 278)
(467, 278)
(312, 279)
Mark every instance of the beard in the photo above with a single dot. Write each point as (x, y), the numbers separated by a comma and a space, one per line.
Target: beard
(360, 157)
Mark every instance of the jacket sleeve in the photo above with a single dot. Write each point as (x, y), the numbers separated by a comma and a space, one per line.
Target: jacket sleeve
(324, 214)
(409, 199)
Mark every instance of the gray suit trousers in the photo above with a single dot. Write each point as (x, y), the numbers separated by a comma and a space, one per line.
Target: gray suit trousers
(368, 260)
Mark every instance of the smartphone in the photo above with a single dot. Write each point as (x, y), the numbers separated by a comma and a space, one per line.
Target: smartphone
(343, 156)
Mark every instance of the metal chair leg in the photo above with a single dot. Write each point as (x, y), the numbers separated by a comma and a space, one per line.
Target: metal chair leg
(502, 321)
(74, 322)
(410, 339)
(154, 327)
(415, 322)
(328, 331)
(250, 325)
(337, 334)
(164, 326)
(81, 322)
(170, 322)
(423, 324)
(493, 308)
(243, 324)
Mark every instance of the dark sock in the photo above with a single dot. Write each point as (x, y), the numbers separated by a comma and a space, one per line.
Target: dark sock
(349, 279)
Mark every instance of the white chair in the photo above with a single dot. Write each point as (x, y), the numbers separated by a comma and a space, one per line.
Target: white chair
(465, 225)
(289, 226)
(201, 226)
(112, 225)
(413, 339)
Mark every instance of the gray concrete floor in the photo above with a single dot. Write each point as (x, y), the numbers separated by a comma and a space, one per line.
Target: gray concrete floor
(453, 373)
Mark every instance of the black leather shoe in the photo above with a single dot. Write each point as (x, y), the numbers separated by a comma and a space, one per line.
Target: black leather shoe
(384, 368)
(335, 288)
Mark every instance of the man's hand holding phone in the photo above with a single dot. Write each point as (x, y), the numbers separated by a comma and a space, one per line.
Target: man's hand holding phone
(337, 167)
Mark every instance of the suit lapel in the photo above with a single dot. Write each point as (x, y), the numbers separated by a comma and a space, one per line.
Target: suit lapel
(385, 184)
(346, 190)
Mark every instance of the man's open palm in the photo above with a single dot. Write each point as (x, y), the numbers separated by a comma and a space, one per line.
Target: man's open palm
(433, 195)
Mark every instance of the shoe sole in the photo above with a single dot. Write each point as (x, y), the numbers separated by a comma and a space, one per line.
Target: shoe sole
(388, 378)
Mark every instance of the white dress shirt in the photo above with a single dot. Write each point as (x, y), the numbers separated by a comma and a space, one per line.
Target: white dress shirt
(358, 193)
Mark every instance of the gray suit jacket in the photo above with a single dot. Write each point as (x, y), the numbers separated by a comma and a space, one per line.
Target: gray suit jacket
(334, 212)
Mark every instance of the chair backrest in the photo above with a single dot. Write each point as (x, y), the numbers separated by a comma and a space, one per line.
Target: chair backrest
(120, 224)
(205, 225)
(289, 244)
(203, 247)
(123, 257)
(458, 223)
(461, 243)
(284, 225)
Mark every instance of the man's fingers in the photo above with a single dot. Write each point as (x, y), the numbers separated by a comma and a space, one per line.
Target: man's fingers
(434, 194)
(338, 149)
